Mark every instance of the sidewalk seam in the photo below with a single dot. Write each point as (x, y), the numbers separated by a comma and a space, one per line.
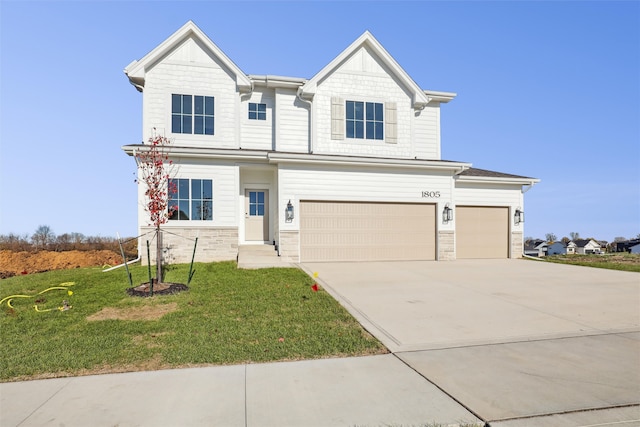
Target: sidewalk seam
(444, 391)
(246, 420)
(45, 402)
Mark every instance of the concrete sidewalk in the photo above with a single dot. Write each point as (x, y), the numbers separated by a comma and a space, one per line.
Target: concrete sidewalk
(365, 391)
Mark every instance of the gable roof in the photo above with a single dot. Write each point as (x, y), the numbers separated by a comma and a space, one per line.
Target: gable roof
(581, 243)
(136, 70)
(419, 97)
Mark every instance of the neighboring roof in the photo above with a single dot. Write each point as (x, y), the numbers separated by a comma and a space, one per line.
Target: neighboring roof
(136, 70)
(581, 243)
(484, 175)
(419, 97)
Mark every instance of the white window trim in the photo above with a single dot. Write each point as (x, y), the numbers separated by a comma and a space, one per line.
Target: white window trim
(364, 100)
(191, 137)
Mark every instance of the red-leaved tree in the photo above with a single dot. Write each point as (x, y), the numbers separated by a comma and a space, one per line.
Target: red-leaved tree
(155, 171)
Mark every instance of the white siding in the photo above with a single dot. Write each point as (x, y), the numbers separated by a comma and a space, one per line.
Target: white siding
(190, 71)
(357, 184)
(488, 194)
(427, 132)
(363, 78)
(257, 134)
(292, 122)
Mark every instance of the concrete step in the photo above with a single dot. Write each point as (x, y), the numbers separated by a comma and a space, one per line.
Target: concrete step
(259, 256)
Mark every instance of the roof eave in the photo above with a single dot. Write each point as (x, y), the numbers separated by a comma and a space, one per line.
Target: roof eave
(497, 180)
(438, 96)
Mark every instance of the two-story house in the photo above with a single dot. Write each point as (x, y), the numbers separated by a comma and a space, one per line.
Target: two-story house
(345, 165)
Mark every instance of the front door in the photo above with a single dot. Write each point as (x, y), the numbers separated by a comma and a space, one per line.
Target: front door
(256, 214)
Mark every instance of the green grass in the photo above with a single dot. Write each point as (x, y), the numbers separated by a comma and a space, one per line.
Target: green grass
(614, 261)
(229, 316)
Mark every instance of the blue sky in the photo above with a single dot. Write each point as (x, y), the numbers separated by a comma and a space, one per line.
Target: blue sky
(545, 89)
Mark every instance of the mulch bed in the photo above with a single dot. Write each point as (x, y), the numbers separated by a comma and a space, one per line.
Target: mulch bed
(158, 289)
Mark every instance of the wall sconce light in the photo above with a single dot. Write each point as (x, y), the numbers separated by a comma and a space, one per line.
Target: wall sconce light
(447, 213)
(289, 212)
(518, 217)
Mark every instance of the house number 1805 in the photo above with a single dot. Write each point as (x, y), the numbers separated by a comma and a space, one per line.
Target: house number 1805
(431, 194)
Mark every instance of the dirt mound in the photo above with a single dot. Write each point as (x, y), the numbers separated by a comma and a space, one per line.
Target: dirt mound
(12, 263)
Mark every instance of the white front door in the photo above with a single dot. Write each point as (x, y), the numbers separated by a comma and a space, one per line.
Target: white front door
(256, 214)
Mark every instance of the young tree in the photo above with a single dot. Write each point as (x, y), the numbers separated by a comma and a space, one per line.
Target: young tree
(155, 171)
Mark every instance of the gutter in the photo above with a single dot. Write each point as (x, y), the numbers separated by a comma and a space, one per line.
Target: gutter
(496, 180)
(365, 161)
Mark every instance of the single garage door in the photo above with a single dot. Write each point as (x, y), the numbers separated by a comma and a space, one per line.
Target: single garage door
(482, 232)
(354, 231)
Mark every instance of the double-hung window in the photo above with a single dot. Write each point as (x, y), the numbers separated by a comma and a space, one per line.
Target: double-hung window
(190, 199)
(257, 111)
(192, 114)
(365, 120)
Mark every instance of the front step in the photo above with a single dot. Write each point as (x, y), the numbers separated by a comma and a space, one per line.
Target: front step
(259, 256)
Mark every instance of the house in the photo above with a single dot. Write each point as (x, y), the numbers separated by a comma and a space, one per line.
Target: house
(635, 249)
(535, 248)
(344, 165)
(587, 246)
(561, 248)
(624, 246)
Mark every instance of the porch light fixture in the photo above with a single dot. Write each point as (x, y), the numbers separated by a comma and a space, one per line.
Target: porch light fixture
(289, 212)
(518, 217)
(447, 213)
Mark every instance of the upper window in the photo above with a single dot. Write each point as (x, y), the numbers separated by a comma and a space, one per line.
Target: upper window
(365, 120)
(192, 114)
(191, 199)
(257, 111)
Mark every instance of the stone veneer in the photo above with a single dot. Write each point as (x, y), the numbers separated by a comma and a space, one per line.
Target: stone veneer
(289, 246)
(446, 245)
(516, 245)
(214, 244)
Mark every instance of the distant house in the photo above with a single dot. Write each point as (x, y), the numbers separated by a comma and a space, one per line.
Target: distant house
(635, 249)
(561, 248)
(536, 248)
(587, 246)
(624, 246)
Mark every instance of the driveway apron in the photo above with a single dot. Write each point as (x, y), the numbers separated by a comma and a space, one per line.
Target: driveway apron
(509, 339)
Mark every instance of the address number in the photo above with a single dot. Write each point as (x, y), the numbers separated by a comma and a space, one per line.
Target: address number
(431, 194)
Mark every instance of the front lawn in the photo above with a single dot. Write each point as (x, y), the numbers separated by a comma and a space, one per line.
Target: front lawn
(614, 261)
(228, 316)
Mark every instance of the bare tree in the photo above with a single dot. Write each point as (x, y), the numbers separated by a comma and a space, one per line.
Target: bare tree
(574, 235)
(43, 236)
(550, 237)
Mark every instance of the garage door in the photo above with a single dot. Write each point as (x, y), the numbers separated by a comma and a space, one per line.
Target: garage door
(482, 232)
(349, 231)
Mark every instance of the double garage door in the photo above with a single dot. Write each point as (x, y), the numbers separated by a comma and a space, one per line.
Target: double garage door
(364, 231)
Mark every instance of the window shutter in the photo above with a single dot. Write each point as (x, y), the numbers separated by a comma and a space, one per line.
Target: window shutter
(337, 118)
(391, 122)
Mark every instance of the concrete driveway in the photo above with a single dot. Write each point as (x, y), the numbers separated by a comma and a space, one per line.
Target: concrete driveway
(516, 342)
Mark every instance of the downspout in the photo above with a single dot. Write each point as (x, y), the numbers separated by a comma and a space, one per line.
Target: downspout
(311, 119)
(123, 264)
(238, 116)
